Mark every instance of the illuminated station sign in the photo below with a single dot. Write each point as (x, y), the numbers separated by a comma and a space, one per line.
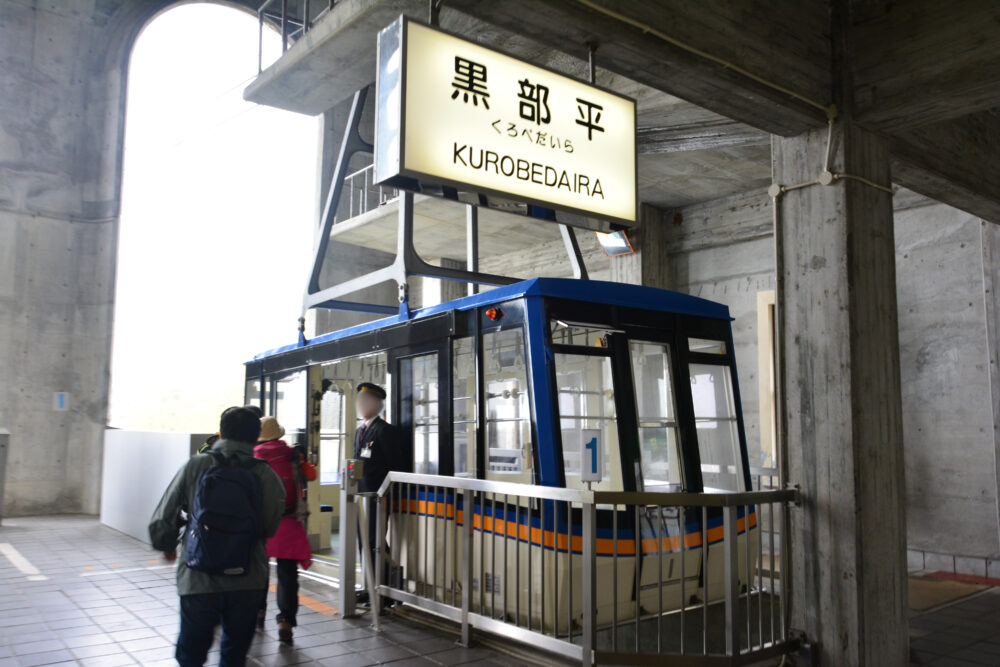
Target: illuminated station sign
(455, 113)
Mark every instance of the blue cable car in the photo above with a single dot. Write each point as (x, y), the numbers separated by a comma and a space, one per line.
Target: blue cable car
(526, 383)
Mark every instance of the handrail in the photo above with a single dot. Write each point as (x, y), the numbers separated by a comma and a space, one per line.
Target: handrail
(488, 486)
(446, 559)
(686, 499)
(704, 499)
(362, 194)
(359, 172)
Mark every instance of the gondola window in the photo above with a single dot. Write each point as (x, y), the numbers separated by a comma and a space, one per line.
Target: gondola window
(426, 424)
(290, 406)
(508, 415)
(464, 402)
(586, 410)
(332, 435)
(658, 428)
(716, 422)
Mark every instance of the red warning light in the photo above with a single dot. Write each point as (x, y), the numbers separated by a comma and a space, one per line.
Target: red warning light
(494, 314)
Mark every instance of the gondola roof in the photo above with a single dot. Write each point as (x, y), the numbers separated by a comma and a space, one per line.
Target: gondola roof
(589, 291)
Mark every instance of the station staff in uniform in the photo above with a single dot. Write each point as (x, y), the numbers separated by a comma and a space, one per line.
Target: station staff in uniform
(379, 445)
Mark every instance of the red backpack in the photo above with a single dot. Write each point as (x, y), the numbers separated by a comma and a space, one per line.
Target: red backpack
(287, 465)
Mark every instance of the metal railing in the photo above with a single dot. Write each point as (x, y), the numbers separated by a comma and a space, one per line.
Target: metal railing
(292, 18)
(763, 479)
(557, 568)
(361, 194)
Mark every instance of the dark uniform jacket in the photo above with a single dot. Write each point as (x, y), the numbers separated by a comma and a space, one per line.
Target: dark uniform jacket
(383, 441)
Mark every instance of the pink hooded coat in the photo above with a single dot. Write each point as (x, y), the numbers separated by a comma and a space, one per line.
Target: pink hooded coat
(291, 540)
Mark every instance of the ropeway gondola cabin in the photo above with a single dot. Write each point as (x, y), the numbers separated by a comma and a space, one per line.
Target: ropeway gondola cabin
(529, 383)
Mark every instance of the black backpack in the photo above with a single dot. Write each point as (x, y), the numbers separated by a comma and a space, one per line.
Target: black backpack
(225, 522)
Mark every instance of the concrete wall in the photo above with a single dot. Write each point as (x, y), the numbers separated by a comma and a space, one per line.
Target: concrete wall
(944, 362)
(60, 131)
(4, 444)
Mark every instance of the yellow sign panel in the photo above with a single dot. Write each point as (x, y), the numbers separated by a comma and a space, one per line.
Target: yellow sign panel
(454, 112)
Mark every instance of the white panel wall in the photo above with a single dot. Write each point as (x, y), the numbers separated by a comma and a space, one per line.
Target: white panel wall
(138, 466)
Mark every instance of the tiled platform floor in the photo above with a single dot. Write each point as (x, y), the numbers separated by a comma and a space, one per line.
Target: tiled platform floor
(75, 592)
(964, 633)
(101, 598)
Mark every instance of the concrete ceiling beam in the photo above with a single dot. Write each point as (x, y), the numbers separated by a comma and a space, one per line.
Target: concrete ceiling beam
(954, 162)
(787, 45)
(698, 136)
(924, 61)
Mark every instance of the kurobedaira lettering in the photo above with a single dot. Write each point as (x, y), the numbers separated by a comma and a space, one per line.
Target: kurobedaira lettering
(489, 161)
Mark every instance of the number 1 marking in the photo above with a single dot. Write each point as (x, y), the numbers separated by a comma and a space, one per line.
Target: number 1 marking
(592, 446)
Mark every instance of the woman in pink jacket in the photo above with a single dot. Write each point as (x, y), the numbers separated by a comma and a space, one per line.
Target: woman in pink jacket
(290, 545)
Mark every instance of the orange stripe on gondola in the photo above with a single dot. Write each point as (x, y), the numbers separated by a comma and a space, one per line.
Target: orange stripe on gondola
(425, 507)
(692, 540)
(604, 546)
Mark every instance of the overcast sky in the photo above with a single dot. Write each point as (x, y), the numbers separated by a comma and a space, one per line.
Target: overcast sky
(219, 207)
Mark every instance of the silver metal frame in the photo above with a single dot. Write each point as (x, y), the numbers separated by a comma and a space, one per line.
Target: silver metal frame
(407, 261)
(582, 642)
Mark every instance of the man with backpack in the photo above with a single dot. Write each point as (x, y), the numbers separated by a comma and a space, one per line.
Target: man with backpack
(233, 503)
(212, 439)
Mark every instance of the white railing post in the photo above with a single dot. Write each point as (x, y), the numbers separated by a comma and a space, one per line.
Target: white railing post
(785, 572)
(731, 577)
(375, 597)
(367, 566)
(365, 207)
(589, 581)
(467, 512)
(348, 542)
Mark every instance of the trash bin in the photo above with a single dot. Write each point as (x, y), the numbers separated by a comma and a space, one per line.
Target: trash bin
(4, 441)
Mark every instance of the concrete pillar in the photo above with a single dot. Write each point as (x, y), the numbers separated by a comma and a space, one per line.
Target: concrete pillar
(4, 444)
(842, 393)
(648, 265)
(62, 70)
(991, 295)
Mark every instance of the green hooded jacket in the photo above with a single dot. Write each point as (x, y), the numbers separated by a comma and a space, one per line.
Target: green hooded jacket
(165, 528)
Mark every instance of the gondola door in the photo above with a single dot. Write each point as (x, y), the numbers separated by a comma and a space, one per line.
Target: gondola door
(422, 411)
(421, 407)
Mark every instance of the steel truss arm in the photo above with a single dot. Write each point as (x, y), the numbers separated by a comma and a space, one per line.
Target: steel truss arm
(408, 261)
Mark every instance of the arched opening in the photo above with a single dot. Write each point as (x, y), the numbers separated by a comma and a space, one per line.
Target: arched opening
(218, 205)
